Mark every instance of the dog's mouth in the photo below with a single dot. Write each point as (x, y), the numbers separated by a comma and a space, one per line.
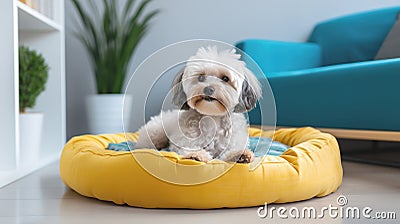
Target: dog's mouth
(208, 98)
(208, 105)
(204, 98)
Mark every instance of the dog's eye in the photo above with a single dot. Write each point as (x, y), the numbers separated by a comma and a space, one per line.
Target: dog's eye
(202, 78)
(225, 78)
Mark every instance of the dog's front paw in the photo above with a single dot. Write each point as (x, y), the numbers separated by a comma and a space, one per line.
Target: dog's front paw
(201, 156)
(246, 157)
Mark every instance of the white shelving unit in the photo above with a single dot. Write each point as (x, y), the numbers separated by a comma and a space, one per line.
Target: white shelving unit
(22, 25)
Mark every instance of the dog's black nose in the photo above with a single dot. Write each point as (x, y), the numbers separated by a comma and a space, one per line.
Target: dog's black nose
(208, 90)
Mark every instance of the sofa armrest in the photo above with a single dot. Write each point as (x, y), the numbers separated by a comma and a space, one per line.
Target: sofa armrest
(279, 56)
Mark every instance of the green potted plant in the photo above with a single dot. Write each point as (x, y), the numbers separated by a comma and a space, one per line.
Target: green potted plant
(110, 37)
(33, 74)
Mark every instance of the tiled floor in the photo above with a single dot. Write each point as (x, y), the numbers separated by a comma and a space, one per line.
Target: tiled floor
(42, 198)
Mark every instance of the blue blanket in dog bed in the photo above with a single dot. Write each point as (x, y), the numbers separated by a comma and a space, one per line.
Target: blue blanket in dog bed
(260, 146)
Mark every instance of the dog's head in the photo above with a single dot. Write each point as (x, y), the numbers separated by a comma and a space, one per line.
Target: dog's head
(216, 83)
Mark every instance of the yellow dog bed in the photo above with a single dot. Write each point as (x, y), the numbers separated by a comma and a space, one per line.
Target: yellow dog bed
(310, 168)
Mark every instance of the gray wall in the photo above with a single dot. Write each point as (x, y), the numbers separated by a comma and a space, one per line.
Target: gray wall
(224, 20)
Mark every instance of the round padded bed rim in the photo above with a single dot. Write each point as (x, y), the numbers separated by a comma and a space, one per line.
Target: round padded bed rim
(310, 168)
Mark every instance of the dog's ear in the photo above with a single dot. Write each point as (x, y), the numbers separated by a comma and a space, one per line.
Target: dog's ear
(251, 92)
(178, 95)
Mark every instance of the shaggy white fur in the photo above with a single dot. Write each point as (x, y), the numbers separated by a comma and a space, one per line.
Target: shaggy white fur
(213, 91)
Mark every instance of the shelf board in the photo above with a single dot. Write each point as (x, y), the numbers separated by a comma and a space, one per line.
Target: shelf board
(30, 19)
(7, 177)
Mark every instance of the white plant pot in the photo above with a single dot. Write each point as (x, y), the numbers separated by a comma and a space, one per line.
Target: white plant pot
(30, 132)
(106, 111)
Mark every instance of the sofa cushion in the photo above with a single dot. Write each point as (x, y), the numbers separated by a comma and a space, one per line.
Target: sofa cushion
(353, 38)
(391, 46)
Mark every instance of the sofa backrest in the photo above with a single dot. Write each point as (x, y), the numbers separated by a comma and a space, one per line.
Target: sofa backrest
(353, 38)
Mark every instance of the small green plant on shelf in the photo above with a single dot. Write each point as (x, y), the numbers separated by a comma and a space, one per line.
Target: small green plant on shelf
(33, 74)
(111, 36)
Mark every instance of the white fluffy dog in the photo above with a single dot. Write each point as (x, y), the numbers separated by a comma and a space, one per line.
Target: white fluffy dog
(213, 91)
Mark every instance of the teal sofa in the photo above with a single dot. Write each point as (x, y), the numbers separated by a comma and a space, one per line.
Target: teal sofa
(332, 80)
